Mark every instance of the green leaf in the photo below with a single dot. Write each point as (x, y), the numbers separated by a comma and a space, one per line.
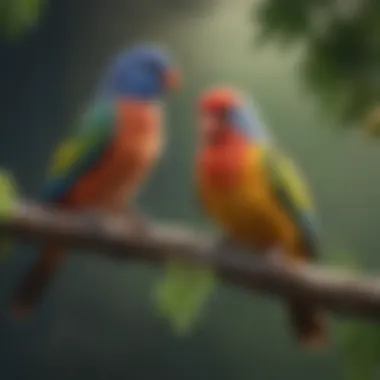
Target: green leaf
(17, 17)
(8, 198)
(182, 294)
(8, 194)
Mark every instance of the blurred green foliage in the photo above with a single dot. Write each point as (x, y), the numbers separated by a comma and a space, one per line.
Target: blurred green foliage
(17, 17)
(359, 346)
(342, 49)
(8, 197)
(8, 194)
(358, 341)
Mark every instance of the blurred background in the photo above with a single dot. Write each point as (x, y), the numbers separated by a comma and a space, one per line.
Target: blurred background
(312, 66)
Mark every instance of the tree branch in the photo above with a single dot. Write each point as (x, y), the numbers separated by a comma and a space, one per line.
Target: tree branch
(338, 291)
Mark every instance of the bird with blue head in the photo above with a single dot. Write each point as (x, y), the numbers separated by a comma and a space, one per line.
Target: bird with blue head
(104, 164)
(142, 73)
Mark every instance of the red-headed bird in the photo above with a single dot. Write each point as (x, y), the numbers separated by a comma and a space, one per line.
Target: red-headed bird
(256, 195)
(104, 163)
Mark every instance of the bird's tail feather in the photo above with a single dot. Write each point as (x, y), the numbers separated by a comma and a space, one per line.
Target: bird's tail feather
(34, 285)
(308, 323)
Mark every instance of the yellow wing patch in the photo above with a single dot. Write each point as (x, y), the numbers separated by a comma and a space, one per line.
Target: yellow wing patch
(288, 177)
(72, 149)
(294, 183)
(66, 155)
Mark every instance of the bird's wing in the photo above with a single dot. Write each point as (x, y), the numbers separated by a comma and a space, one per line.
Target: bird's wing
(291, 191)
(80, 152)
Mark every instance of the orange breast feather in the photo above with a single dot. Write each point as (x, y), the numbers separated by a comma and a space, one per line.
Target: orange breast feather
(237, 195)
(127, 162)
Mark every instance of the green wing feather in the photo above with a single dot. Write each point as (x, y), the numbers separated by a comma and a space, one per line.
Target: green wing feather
(80, 152)
(293, 195)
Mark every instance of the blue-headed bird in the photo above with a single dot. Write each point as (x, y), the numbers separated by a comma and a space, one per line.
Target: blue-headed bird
(105, 162)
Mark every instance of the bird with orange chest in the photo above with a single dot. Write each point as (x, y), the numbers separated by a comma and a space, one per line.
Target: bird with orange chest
(104, 164)
(259, 200)
(256, 195)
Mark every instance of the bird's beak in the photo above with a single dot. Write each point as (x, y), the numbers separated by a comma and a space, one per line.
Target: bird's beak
(172, 80)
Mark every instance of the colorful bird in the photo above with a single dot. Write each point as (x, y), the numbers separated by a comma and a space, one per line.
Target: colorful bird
(102, 166)
(256, 195)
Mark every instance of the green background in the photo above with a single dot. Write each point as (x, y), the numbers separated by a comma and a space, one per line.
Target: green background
(97, 321)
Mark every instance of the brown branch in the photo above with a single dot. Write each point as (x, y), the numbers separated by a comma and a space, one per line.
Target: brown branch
(338, 291)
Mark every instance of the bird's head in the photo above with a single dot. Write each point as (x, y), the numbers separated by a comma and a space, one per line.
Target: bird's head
(142, 73)
(225, 117)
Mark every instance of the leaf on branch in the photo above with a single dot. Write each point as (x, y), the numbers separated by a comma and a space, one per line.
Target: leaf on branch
(182, 294)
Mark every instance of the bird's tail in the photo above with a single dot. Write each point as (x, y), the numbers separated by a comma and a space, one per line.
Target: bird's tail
(36, 281)
(308, 323)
